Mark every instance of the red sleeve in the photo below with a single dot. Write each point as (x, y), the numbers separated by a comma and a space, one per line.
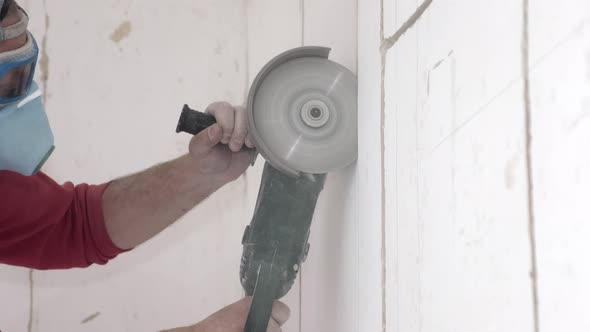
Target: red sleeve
(47, 226)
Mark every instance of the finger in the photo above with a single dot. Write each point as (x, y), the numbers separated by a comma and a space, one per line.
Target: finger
(202, 142)
(238, 136)
(273, 326)
(250, 141)
(240, 161)
(224, 115)
(280, 312)
(243, 158)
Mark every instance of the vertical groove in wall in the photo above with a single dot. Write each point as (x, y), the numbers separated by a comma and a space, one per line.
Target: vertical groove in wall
(386, 44)
(302, 9)
(396, 288)
(356, 65)
(382, 138)
(529, 167)
(44, 66)
(247, 55)
(44, 59)
(418, 214)
(246, 81)
(31, 299)
(302, 6)
(356, 289)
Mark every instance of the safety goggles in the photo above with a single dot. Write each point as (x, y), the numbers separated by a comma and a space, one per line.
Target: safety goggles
(17, 67)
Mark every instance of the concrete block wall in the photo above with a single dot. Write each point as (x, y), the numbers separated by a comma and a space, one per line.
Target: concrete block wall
(559, 108)
(115, 76)
(485, 170)
(465, 211)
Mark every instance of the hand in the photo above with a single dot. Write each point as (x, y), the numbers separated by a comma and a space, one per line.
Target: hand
(233, 318)
(219, 150)
(234, 124)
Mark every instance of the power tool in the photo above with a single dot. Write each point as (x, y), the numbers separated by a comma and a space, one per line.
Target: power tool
(302, 113)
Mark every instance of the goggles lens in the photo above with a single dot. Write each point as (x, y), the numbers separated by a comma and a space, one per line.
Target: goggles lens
(17, 69)
(15, 82)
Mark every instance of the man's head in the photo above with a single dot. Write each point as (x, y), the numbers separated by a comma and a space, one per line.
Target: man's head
(18, 53)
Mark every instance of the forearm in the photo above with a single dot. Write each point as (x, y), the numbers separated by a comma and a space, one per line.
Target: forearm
(139, 206)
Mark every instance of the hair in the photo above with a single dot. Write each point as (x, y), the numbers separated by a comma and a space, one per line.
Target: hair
(5, 7)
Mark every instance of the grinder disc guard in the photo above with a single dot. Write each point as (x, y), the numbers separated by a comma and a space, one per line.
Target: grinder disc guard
(302, 112)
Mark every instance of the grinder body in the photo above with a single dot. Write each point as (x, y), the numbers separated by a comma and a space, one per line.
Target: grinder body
(275, 244)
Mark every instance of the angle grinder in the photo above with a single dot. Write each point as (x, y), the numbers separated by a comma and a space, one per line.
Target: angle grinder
(302, 113)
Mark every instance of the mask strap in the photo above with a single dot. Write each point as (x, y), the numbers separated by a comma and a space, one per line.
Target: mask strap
(17, 29)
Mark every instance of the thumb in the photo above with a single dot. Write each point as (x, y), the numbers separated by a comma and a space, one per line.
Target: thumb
(280, 312)
(202, 142)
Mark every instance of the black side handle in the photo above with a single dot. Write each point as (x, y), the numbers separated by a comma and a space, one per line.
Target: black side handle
(193, 122)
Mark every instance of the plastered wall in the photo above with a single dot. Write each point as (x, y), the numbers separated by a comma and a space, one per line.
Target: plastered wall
(115, 76)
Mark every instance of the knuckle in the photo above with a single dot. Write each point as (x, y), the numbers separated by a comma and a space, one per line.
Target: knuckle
(217, 106)
(240, 133)
(224, 106)
(228, 130)
(250, 142)
(211, 108)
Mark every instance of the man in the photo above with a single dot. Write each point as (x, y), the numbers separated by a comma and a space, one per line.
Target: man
(44, 225)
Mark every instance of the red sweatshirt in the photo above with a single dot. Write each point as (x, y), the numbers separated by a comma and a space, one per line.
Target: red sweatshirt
(47, 226)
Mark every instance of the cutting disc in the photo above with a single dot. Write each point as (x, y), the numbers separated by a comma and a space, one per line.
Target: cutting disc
(303, 115)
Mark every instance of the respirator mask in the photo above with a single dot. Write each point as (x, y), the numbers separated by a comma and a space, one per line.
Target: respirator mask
(26, 140)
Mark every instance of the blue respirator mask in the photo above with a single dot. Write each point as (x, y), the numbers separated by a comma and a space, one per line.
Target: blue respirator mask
(26, 140)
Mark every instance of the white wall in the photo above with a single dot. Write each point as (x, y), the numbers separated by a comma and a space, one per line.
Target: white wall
(116, 74)
(456, 211)
(560, 109)
(472, 170)
(478, 123)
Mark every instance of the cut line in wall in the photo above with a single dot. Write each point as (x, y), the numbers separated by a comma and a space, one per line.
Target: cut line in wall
(529, 167)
